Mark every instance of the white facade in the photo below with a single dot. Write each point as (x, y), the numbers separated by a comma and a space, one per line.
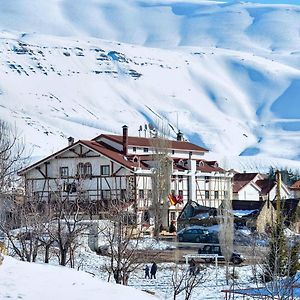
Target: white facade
(249, 192)
(109, 174)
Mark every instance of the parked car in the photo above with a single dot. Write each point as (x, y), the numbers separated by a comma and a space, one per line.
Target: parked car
(236, 258)
(196, 235)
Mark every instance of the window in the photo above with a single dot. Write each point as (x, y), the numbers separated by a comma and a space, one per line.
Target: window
(105, 170)
(123, 194)
(145, 149)
(84, 170)
(216, 194)
(146, 216)
(80, 169)
(206, 194)
(225, 194)
(105, 194)
(180, 193)
(173, 216)
(134, 149)
(64, 172)
(149, 194)
(88, 169)
(141, 194)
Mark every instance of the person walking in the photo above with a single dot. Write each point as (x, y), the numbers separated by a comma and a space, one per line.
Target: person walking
(153, 270)
(146, 269)
(192, 267)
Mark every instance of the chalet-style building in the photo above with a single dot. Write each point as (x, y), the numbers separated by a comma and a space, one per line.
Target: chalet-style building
(112, 167)
(256, 187)
(295, 189)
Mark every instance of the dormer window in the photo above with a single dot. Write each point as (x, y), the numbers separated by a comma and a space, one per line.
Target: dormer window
(173, 151)
(134, 149)
(180, 162)
(146, 149)
(200, 163)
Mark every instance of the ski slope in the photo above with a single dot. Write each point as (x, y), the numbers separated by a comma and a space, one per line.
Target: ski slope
(225, 73)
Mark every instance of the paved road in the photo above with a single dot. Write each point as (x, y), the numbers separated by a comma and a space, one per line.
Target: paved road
(181, 249)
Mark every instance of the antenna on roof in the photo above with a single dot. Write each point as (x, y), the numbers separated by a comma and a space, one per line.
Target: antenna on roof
(146, 128)
(140, 130)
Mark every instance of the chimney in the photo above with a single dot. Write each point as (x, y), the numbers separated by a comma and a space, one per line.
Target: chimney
(125, 140)
(179, 135)
(70, 140)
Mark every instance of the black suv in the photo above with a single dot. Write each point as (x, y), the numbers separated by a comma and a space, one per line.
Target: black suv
(196, 235)
(236, 258)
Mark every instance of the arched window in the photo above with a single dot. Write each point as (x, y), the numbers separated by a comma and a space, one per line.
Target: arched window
(88, 169)
(200, 163)
(80, 170)
(84, 170)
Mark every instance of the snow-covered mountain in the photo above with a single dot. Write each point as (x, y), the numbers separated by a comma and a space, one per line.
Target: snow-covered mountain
(226, 73)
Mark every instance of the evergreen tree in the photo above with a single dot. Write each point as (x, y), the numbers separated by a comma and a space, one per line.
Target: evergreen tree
(294, 263)
(277, 262)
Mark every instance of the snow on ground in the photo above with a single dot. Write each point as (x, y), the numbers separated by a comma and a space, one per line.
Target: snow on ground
(21, 280)
(162, 285)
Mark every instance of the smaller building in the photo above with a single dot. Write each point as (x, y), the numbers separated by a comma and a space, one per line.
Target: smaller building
(256, 187)
(196, 214)
(295, 189)
(291, 213)
(255, 215)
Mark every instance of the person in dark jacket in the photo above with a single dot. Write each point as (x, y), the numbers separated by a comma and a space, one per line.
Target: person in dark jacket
(192, 267)
(153, 270)
(147, 274)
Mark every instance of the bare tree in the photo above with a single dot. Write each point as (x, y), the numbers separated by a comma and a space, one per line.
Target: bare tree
(226, 231)
(68, 222)
(186, 280)
(161, 179)
(122, 237)
(22, 227)
(12, 156)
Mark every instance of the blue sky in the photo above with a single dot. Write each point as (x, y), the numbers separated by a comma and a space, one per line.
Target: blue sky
(268, 1)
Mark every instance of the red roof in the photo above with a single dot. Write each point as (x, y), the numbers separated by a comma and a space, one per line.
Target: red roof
(266, 185)
(112, 154)
(240, 180)
(206, 167)
(296, 185)
(148, 142)
(98, 147)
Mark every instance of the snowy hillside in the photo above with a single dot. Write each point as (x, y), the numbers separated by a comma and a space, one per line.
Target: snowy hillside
(29, 281)
(227, 74)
